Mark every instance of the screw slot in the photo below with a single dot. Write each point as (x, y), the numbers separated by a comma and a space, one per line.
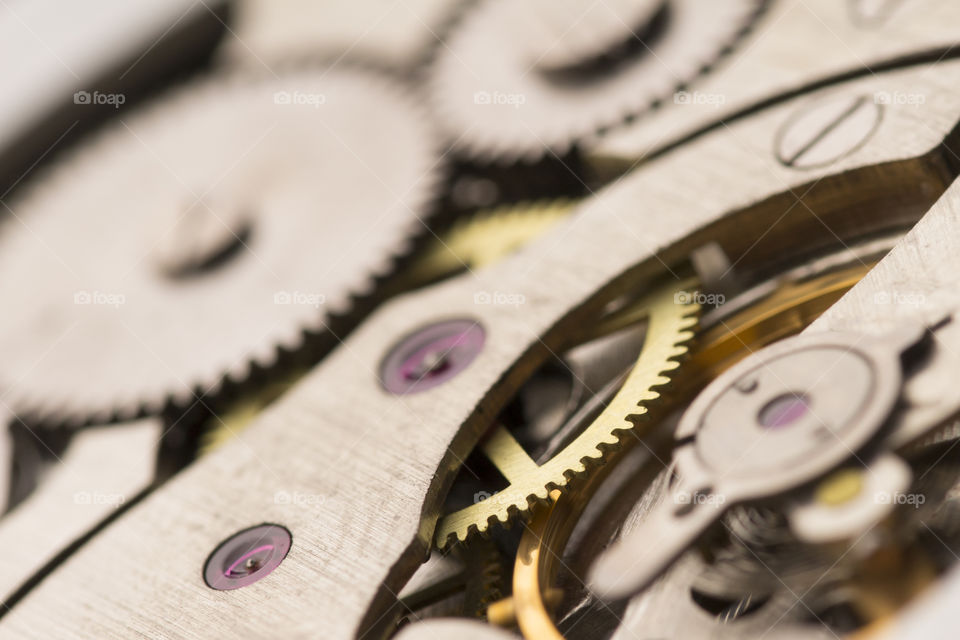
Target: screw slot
(246, 557)
(431, 355)
(827, 130)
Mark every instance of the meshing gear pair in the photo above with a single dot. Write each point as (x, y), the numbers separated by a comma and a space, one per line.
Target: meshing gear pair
(671, 320)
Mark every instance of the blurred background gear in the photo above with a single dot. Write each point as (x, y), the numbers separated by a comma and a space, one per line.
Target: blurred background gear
(520, 80)
(471, 242)
(205, 234)
(399, 36)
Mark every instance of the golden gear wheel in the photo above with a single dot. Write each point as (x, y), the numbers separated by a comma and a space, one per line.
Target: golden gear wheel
(671, 318)
(786, 312)
(487, 236)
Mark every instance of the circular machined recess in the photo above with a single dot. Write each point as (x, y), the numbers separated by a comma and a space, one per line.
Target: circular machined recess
(431, 355)
(246, 557)
(785, 409)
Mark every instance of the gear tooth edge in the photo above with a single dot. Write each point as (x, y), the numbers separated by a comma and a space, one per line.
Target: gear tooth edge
(613, 444)
(464, 534)
(568, 475)
(678, 354)
(448, 542)
(500, 517)
(369, 78)
(683, 332)
(671, 364)
(540, 496)
(459, 535)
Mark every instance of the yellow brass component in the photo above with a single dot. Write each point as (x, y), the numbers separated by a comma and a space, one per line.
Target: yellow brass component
(485, 238)
(546, 534)
(670, 324)
(785, 312)
(840, 487)
(502, 613)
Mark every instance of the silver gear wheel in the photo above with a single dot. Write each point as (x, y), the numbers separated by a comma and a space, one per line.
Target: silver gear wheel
(563, 35)
(508, 86)
(193, 240)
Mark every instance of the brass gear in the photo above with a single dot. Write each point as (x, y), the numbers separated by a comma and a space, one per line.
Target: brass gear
(671, 316)
(462, 582)
(486, 237)
(785, 312)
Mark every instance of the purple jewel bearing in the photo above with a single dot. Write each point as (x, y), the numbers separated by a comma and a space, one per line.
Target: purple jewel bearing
(784, 410)
(431, 355)
(247, 556)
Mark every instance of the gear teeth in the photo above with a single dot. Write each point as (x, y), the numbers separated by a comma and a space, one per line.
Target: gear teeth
(312, 334)
(549, 119)
(485, 577)
(669, 334)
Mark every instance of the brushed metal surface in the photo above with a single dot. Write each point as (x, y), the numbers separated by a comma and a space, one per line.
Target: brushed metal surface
(794, 46)
(375, 465)
(103, 468)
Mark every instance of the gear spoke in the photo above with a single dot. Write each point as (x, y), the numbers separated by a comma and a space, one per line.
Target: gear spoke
(510, 458)
(671, 319)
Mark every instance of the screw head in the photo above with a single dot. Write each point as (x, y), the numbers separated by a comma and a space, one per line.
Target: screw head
(246, 557)
(431, 355)
(827, 130)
